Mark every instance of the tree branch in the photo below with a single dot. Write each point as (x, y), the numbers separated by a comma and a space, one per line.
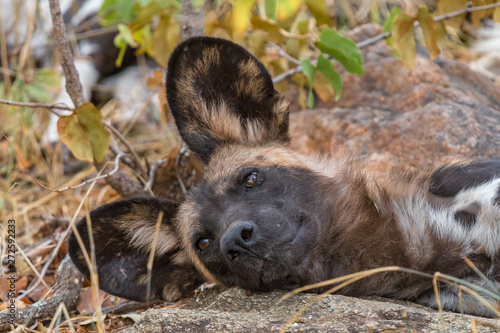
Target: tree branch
(38, 105)
(193, 21)
(67, 291)
(73, 84)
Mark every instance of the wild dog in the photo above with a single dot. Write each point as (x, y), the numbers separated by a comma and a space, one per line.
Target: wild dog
(265, 217)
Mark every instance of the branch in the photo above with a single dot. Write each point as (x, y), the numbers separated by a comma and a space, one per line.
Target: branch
(193, 21)
(130, 149)
(66, 291)
(39, 105)
(73, 84)
(283, 54)
(387, 34)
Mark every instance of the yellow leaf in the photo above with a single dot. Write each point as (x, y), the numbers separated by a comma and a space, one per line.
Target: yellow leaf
(165, 37)
(404, 38)
(448, 6)
(323, 88)
(90, 119)
(74, 136)
(429, 31)
(288, 8)
(478, 15)
(242, 12)
(319, 9)
(496, 15)
(272, 29)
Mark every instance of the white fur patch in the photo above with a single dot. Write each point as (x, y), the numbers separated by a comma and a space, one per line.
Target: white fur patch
(417, 216)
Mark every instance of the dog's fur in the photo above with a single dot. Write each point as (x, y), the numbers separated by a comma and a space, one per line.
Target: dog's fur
(265, 217)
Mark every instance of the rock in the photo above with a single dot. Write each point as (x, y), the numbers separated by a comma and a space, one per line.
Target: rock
(234, 311)
(397, 118)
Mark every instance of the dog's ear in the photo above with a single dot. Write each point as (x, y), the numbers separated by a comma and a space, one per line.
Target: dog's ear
(123, 235)
(220, 95)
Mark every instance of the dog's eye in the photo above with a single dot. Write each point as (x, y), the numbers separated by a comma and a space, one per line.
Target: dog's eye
(203, 243)
(251, 179)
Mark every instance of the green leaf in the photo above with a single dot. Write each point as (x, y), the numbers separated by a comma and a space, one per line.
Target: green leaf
(343, 49)
(404, 38)
(326, 68)
(121, 40)
(429, 31)
(143, 37)
(125, 35)
(274, 32)
(125, 10)
(390, 19)
(146, 15)
(107, 12)
(74, 136)
(90, 119)
(319, 9)
(309, 71)
(271, 9)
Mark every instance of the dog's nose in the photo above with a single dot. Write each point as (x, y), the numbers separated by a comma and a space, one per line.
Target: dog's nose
(239, 239)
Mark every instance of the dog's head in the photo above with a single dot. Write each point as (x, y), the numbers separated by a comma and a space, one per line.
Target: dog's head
(250, 222)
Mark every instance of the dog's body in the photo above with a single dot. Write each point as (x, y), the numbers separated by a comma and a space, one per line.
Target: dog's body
(265, 217)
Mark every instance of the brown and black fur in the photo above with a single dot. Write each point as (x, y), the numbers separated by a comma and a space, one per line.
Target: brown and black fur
(265, 217)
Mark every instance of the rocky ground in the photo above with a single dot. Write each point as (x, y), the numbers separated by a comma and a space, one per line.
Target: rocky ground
(235, 311)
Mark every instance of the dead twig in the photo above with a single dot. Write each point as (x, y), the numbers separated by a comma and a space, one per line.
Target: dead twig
(57, 106)
(283, 54)
(131, 150)
(67, 291)
(152, 174)
(182, 149)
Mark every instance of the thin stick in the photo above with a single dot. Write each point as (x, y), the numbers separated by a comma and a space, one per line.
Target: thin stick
(435, 284)
(283, 54)
(387, 34)
(57, 106)
(152, 174)
(61, 308)
(151, 258)
(129, 148)
(4, 59)
(176, 167)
